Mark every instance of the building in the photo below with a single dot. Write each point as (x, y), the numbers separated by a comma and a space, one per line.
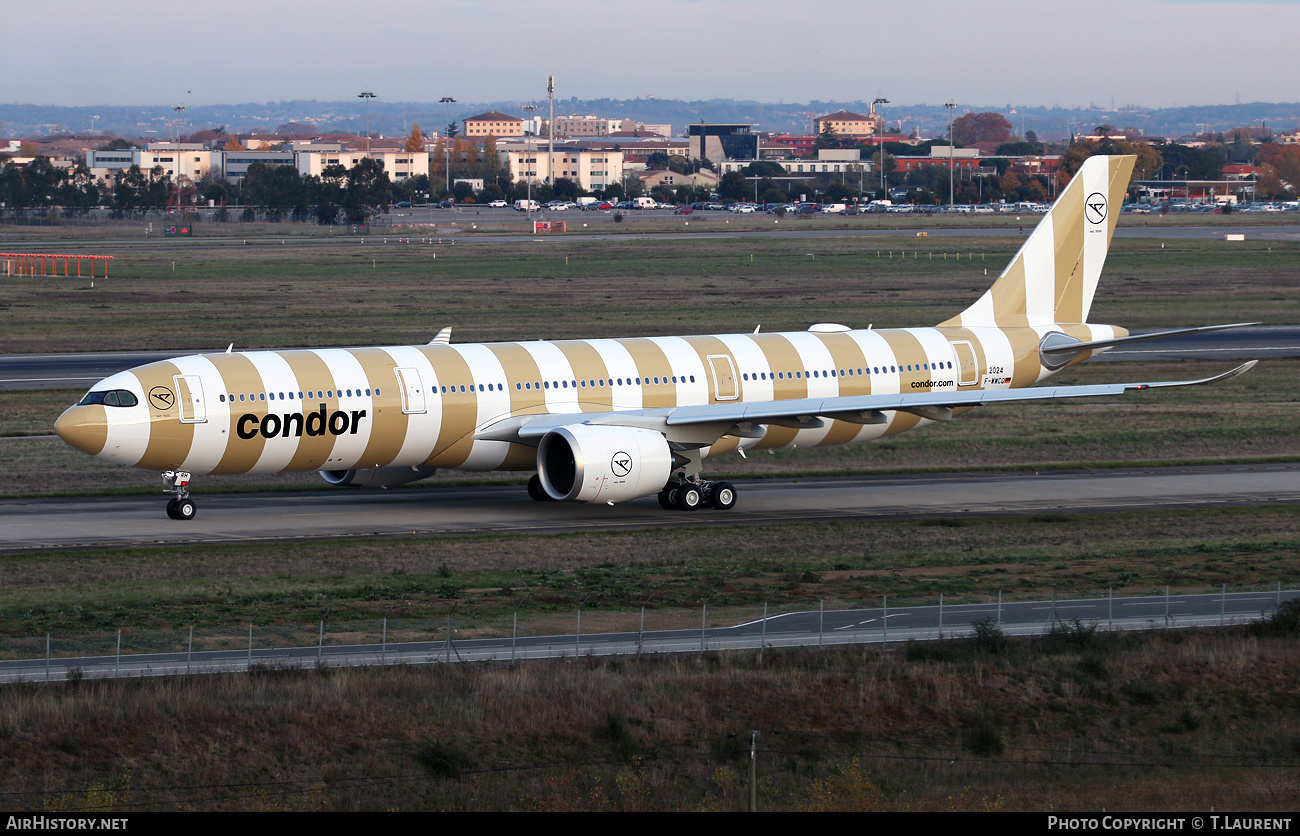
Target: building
(674, 180)
(188, 159)
(313, 158)
(234, 164)
(577, 126)
(797, 145)
(722, 141)
(494, 123)
(846, 123)
(963, 159)
(591, 168)
(829, 161)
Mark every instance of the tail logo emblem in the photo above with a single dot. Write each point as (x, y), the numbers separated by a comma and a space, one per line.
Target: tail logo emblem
(621, 464)
(1094, 208)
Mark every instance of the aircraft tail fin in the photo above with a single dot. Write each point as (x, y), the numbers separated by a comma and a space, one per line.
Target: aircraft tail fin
(1054, 276)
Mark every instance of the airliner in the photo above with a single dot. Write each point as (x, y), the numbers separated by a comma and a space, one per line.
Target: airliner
(613, 420)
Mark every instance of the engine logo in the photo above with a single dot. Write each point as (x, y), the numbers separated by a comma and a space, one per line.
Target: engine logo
(621, 464)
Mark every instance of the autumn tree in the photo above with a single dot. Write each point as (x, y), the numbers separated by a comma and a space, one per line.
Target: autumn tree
(415, 140)
(233, 144)
(1279, 170)
(981, 127)
(1147, 165)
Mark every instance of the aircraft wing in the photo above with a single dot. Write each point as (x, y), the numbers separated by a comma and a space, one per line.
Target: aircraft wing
(706, 423)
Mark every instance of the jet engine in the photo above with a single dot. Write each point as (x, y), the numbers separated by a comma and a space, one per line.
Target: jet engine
(377, 477)
(594, 463)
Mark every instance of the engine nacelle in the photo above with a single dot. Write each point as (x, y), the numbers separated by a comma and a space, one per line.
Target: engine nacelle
(377, 477)
(593, 463)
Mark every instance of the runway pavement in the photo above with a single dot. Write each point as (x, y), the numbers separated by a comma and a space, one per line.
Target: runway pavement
(28, 524)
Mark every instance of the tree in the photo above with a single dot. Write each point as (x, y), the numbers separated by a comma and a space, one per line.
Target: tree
(415, 140)
(1148, 158)
(981, 127)
(890, 162)
(763, 168)
(1020, 149)
(828, 138)
(117, 144)
(565, 189)
(367, 189)
(452, 130)
(733, 186)
(233, 144)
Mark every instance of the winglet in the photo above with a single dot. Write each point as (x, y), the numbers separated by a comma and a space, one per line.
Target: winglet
(443, 338)
(1228, 375)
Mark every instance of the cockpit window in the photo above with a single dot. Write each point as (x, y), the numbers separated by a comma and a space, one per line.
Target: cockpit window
(109, 397)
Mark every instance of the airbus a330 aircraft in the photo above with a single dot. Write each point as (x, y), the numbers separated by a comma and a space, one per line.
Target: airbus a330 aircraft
(611, 420)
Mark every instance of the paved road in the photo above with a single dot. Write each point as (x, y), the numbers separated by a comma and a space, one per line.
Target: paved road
(794, 629)
(27, 524)
(76, 371)
(461, 227)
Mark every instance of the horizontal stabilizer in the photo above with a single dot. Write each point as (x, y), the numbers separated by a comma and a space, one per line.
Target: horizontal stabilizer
(1057, 349)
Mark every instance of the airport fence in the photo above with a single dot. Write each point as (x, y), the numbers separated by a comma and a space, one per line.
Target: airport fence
(459, 634)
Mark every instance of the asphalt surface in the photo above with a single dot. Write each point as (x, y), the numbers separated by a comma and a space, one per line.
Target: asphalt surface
(30, 524)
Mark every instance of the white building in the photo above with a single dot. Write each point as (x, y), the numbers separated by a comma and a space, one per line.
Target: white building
(592, 169)
(313, 158)
(192, 160)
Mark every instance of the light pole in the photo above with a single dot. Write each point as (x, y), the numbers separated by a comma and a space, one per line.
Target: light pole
(880, 135)
(950, 106)
(448, 101)
(528, 158)
(367, 95)
(178, 109)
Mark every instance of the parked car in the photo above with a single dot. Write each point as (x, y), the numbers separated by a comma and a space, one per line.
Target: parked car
(498, 204)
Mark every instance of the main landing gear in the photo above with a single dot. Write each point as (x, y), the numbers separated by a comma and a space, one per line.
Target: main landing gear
(535, 490)
(180, 506)
(690, 495)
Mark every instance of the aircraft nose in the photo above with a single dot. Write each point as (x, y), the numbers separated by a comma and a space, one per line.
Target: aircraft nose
(83, 427)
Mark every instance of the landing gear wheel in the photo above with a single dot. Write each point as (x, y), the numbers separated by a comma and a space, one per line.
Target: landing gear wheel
(171, 507)
(723, 496)
(689, 497)
(668, 497)
(184, 509)
(535, 490)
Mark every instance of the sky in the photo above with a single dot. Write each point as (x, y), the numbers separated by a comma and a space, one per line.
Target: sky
(1153, 53)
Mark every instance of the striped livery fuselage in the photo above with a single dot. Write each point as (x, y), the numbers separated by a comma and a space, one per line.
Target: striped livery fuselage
(336, 409)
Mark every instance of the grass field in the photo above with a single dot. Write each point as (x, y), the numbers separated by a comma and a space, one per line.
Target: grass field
(203, 297)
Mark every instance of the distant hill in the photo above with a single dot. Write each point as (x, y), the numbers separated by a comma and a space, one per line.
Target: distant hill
(395, 118)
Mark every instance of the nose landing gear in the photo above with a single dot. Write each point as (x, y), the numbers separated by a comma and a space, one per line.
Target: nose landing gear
(180, 506)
